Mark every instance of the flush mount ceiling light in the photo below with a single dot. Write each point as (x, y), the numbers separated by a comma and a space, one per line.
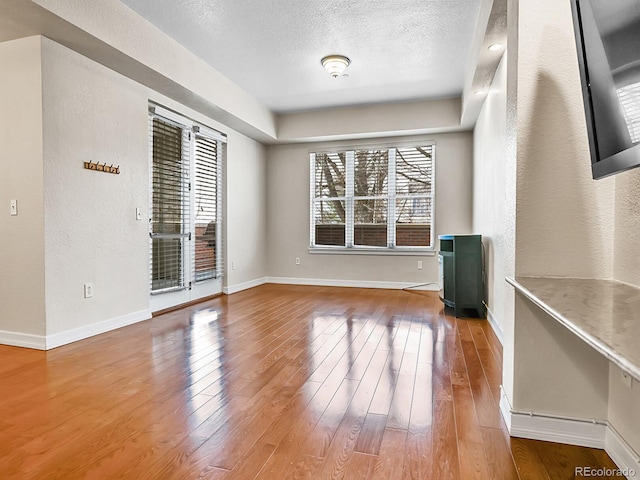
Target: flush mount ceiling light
(495, 47)
(335, 64)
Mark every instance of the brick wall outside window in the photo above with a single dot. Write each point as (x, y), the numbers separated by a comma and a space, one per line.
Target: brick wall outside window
(407, 235)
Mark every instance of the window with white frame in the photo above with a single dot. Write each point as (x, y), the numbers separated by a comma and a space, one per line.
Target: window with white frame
(372, 199)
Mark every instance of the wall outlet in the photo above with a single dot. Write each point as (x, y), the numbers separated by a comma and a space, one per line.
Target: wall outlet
(13, 207)
(419, 264)
(88, 290)
(297, 260)
(626, 379)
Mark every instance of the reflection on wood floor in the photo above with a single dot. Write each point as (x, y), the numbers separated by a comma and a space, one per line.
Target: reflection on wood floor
(274, 382)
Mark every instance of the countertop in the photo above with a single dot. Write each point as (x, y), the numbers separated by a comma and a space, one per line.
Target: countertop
(603, 313)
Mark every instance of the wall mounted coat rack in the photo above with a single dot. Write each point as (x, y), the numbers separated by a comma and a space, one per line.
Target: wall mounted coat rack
(102, 168)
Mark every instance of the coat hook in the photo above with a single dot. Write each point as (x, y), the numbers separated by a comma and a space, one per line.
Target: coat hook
(101, 167)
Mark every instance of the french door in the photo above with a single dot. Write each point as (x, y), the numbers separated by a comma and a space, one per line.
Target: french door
(185, 221)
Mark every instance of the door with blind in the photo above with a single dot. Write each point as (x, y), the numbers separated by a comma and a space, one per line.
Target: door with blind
(185, 222)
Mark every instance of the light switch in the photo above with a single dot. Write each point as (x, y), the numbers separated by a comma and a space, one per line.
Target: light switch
(138, 213)
(14, 207)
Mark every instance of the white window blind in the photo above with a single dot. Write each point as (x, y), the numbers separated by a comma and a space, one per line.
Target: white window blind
(208, 263)
(371, 197)
(170, 211)
(414, 196)
(186, 202)
(379, 198)
(328, 197)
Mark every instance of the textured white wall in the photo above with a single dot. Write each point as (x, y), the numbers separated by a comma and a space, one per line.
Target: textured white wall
(91, 233)
(246, 211)
(556, 372)
(489, 191)
(624, 407)
(22, 237)
(288, 215)
(565, 220)
(510, 186)
(370, 121)
(627, 230)
(76, 226)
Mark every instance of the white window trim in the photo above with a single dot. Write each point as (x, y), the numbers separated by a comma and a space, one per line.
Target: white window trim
(367, 250)
(358, 250)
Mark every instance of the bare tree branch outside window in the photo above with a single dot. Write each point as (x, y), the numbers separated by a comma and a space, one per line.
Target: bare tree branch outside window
(411, 199)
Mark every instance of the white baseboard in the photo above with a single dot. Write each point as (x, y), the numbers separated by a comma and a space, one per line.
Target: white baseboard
(86, 331)
(573, 432)
(559, 430)
(42, 342)
(549, 428)
(26, 340)
(495, 326)
(621, 453)
(244, 286)
(328, 282)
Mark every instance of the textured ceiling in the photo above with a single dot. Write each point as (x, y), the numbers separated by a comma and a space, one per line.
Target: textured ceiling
(401, 50)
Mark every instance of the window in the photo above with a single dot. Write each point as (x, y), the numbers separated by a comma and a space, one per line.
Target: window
(372, 199)
(170, 205)
(185, 205)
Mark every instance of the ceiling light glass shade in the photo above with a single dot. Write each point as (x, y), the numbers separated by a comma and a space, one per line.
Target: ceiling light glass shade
(495, 47)
(335, 64)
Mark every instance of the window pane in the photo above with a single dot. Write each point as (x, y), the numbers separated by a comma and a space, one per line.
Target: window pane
(205, 193)
(370, 222)
(170, 209)
(166, 266)
(370, 172)
(413, 222)
(329, 222)
(414, 171)
(330, 174)
(170, 174)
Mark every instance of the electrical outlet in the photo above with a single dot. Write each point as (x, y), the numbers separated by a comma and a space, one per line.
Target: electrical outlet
(88, 290)
(13, 207)
(626, 379)
(297, 260)
(419, 264)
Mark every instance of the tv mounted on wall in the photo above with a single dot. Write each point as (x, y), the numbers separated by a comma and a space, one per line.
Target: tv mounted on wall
(608, 43)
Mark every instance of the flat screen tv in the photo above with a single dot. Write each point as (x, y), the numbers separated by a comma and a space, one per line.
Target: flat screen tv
(608, 43)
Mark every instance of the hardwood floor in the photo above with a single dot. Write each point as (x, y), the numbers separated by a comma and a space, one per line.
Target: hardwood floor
(271, 383)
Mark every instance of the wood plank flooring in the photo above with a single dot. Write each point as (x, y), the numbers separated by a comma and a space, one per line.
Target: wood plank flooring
(274, 382)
